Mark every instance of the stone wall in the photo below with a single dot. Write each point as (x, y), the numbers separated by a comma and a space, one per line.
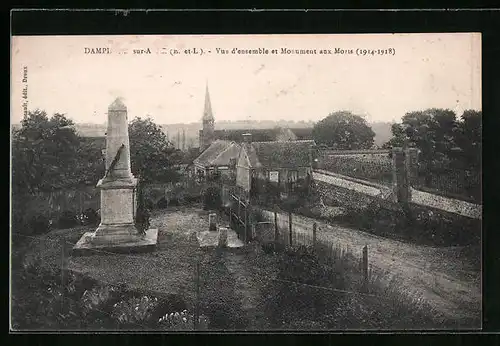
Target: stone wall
(335, 195)
(348, 192)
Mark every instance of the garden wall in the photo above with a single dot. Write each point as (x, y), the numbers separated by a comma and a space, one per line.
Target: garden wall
(428, 218)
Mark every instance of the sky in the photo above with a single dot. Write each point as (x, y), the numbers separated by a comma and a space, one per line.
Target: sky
(426, 70)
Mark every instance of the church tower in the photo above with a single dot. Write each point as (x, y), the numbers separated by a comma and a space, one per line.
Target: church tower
(207, 133)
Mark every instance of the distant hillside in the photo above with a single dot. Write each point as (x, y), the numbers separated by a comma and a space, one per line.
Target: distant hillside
(174, 132)
(382, 132)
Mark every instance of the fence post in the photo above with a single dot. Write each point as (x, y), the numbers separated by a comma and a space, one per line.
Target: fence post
(290, 226)
(239, 208)
(411, 165)
(315, 225)
(400, 176)
(365, 266)
(251, 225)
(246, 224)
(276, 232)
(197, 283)
(63, 264)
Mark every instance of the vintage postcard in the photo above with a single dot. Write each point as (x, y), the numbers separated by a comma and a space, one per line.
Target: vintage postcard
(246, 182)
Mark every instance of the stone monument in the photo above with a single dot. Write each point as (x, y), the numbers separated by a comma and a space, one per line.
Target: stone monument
(117, 230)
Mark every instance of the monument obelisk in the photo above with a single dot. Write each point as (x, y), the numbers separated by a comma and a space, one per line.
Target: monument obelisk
(117, 230)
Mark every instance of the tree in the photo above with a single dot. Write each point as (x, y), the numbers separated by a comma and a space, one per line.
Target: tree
(432, 131)
(152, 158)
(91, 165)
(344, 130)
(44, 153)
(468, 138)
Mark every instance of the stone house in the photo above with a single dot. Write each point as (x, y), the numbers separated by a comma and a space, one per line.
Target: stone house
(283, 165)
(219, 157)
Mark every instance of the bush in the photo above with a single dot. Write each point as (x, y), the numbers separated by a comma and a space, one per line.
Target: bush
(192, 198)
(295, 297)
(149, 204)
(91, 217)
(97, 298)
(182, 321)
(135, 312)
(162, 203)
(175, 202)
(67, 219)
(272, 248)
(417, 225)
(39, 224)
(301, 264)
(142, 219)
(227, 315)
(212, 198)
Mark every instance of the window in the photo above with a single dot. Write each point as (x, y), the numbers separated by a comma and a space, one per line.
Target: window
(292, 180)
(274, 176)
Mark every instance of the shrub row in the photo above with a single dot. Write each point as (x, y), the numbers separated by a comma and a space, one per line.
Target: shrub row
(41, 224)
(311, 293)
(418, 225)
(40, 302)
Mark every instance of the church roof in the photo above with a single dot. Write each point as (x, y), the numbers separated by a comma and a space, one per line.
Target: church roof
(258, 135)
(263, 135)
(117, 105)
(219, 153)
(302, 133)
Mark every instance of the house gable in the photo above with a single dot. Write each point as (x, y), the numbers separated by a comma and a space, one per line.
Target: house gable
(209, 155)
(243, 160)
(243, 170)
(224, 158)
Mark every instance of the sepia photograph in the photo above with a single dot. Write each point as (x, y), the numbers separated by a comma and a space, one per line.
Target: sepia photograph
(292, 182)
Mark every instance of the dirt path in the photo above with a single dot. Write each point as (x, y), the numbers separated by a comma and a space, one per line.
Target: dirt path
(440, 275)
(235, 263)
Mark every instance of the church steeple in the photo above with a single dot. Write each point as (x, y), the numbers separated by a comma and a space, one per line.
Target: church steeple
(207, 133)
(207, 111)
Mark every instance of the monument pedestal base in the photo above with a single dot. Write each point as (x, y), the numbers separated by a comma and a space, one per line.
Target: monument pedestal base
(119, 240)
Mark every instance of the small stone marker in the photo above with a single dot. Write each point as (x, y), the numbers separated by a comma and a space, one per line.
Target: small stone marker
(212, 221)
(222, 237)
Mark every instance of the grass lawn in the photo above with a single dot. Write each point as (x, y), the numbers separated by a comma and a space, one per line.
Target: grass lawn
(236, 289)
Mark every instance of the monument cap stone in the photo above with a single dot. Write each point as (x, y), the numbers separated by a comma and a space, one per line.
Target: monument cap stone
(117, 105)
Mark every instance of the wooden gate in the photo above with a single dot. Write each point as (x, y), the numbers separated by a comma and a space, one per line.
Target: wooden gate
(238, 209)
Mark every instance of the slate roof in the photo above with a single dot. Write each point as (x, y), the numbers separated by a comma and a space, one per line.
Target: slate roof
(290, 154)
(219, 153)
(262, 135)
(304, 133)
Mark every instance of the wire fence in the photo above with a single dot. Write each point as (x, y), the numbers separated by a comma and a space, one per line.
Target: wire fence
(197, 284)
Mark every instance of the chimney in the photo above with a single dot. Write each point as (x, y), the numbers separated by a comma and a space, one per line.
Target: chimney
(247, 138)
